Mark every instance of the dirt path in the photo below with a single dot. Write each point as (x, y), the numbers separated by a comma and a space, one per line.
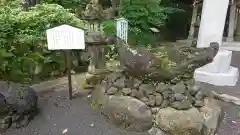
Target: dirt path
(75, 117)
(58, 114)
(231, 122)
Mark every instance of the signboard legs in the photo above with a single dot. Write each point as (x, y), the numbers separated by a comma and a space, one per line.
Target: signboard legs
(69, 68)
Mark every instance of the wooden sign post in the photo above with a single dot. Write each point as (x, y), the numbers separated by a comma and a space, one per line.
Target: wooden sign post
(66, 38)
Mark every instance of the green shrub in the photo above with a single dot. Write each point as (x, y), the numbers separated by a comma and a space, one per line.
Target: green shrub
(23, 45)
(143, 15)
(75, 6)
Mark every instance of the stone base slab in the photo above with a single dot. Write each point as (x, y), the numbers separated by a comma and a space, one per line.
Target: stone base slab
(185, 41)
(221, 62)
(229, 39)
(229, 78)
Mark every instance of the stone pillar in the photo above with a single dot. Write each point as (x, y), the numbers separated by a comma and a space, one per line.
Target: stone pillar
(219, 72)
(238, 27)
(97, 59)
(194, 19)
(236, 20)
(232, 22)
(212, 22)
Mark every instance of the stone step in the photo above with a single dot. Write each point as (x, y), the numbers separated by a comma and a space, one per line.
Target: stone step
(221, 62)
(228, 78)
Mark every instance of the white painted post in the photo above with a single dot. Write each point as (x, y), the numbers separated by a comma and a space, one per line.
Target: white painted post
(66, 37)
(212, 22)
(122, 29)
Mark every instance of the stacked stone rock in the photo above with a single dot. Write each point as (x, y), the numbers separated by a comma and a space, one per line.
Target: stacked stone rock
(18, 105)
(180, 96)
(166, 109)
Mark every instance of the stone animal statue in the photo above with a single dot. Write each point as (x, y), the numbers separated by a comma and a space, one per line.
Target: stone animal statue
(145, 65)
(18, 104)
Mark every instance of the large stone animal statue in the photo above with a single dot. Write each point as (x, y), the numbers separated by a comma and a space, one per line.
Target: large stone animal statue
(147, 66)
(18, 105)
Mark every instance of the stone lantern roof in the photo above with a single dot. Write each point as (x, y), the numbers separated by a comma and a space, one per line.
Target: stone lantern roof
(95, 12)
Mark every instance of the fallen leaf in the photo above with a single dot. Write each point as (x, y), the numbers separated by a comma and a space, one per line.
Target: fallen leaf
(65, 131)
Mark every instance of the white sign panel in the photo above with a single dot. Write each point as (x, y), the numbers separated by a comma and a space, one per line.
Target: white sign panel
(65, 37)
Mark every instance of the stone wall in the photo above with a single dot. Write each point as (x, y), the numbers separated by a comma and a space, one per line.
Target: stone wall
(181, 96)
(180, 109)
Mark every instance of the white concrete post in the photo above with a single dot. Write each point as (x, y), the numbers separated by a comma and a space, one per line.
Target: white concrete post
(231, 22)
(194, 19)
(122, 29)
(212, 22)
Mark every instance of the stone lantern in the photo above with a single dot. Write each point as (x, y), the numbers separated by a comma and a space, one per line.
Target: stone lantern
(95, 39)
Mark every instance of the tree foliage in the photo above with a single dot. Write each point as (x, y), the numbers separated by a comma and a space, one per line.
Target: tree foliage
(74, 6)
(23, 45)
(143, 15)
(23, 52)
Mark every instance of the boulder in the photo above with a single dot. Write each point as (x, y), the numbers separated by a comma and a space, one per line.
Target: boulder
(159, 99)
(167, 94)
(112, 77)
(4, 110)
(126, 91)
(136, 83)
(5, 123)
(22, 103)
(146, 89)
(94, 79)
(4, 107)
(162, 87)
(180, 122)
(165, 103)
(179, 88)
(156, 131)
(112, 90)
(120, 83)
(181, 105)
(137, 93)
(212, 114)
(152, 100)
(128, 113)
(99, 97)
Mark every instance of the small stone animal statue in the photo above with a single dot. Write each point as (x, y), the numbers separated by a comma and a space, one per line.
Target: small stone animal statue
(18, 105)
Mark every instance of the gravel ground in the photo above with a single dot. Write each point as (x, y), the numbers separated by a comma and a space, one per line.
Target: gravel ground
(75, 117)
(58, 114)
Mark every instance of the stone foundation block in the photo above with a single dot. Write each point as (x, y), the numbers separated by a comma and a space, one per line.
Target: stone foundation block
(229, 78)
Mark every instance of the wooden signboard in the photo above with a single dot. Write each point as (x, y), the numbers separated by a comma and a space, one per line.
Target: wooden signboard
(66, 38)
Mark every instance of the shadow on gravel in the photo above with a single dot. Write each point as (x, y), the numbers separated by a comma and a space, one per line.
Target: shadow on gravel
(59, 115)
